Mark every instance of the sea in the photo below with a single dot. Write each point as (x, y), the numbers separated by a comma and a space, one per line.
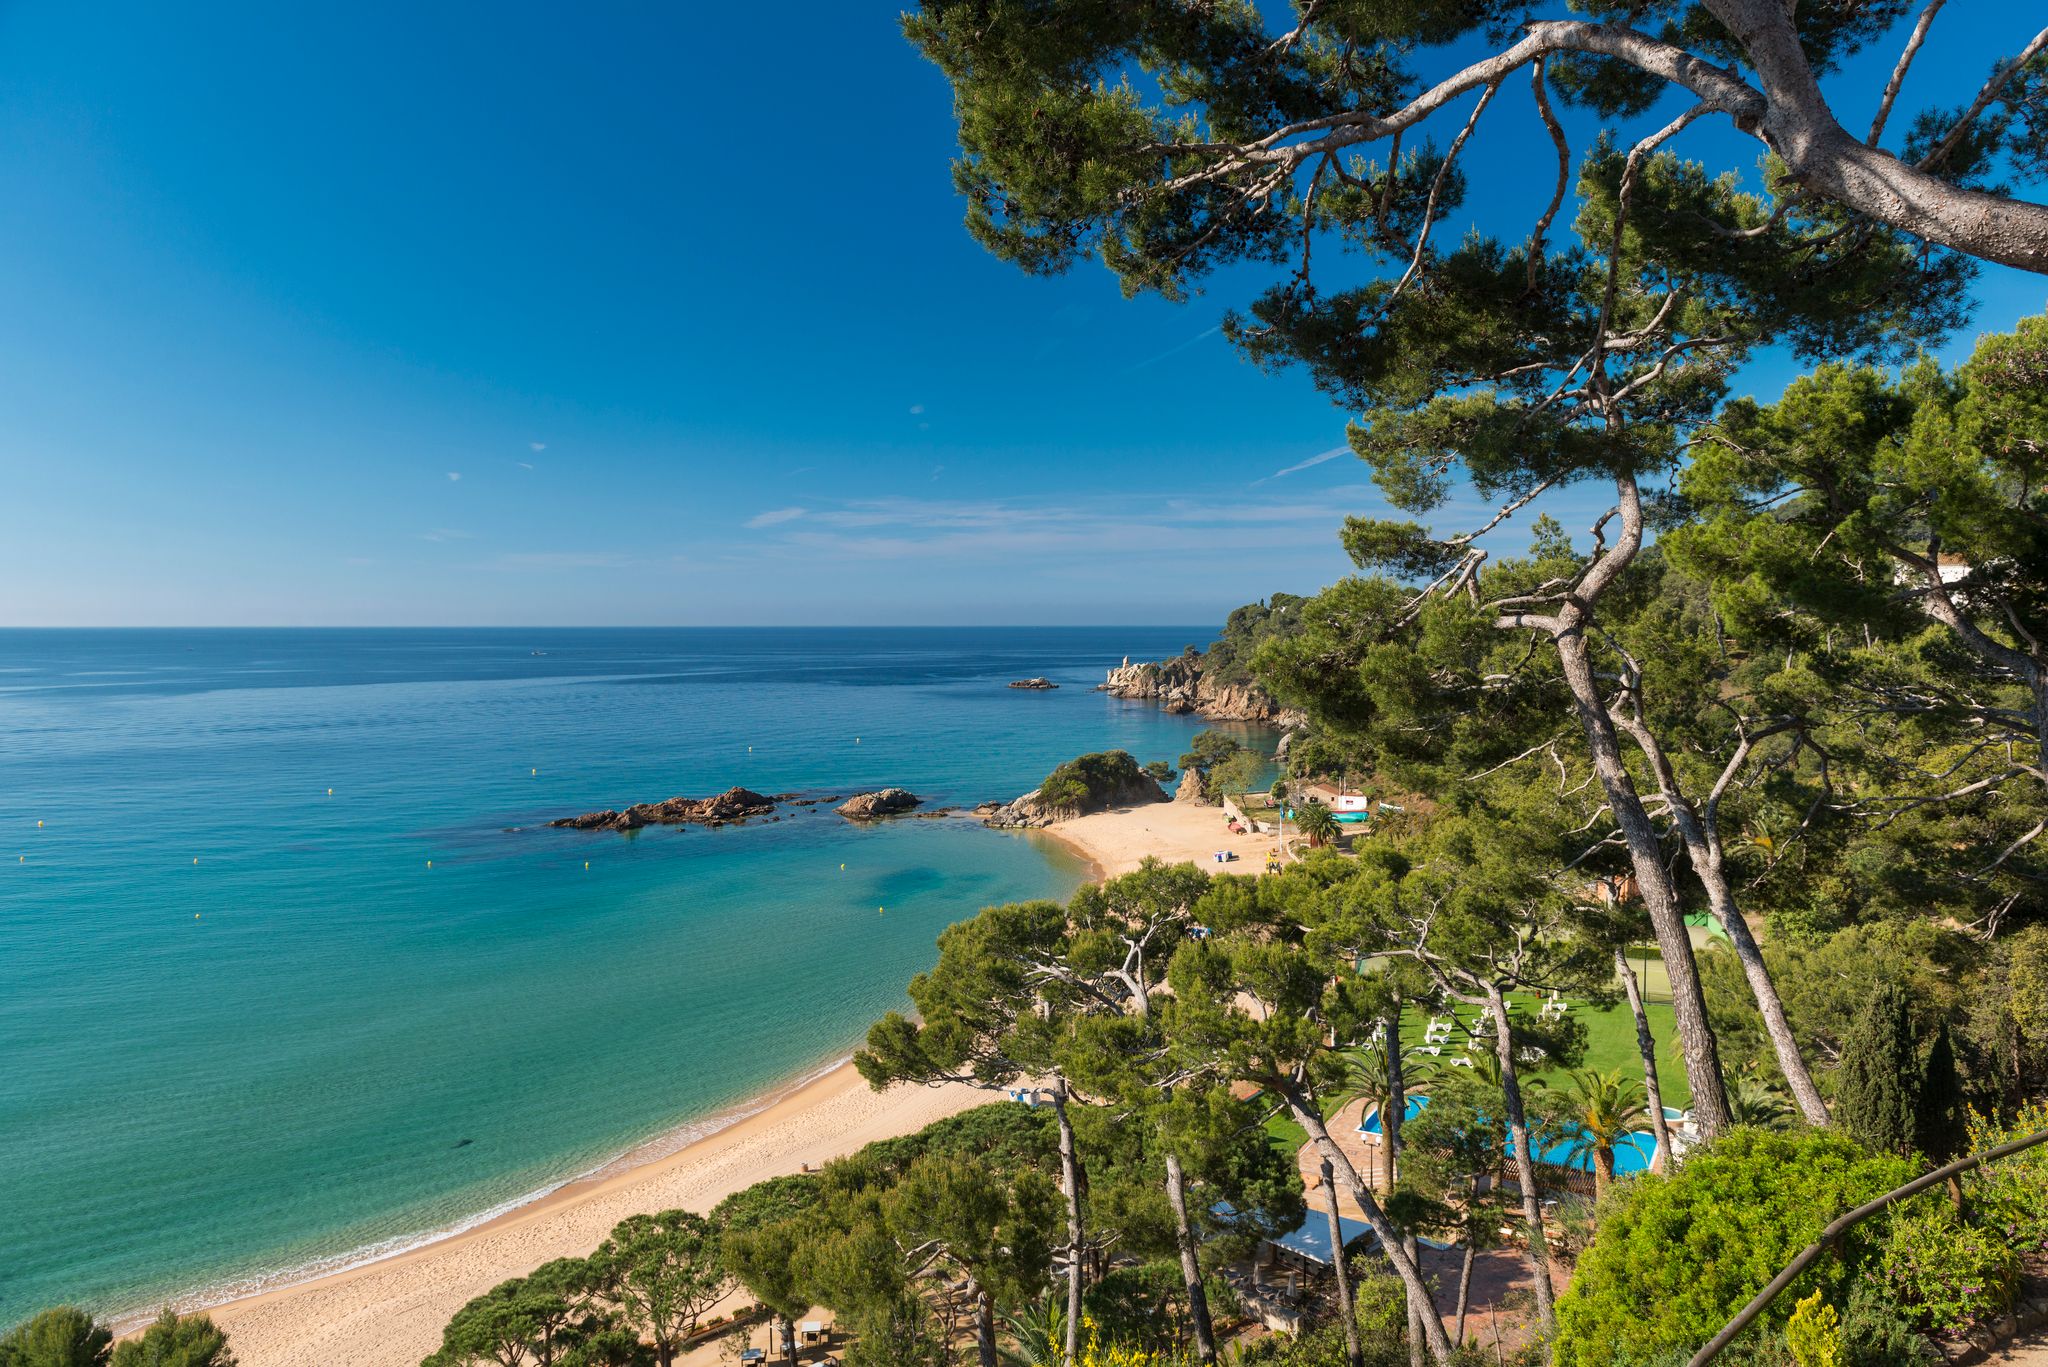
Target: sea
(293, 972)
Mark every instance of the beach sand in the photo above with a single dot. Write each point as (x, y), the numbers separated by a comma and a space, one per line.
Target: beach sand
(390, 1313)
(1177, 832)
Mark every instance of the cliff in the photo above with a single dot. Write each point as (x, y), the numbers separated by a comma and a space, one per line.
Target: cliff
(1185, 684)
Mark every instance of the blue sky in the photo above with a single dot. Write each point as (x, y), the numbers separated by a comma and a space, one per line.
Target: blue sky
(617, 313)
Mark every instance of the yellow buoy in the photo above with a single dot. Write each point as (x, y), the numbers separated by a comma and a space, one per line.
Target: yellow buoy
(430, 863)
(536, 773)
(842, 868)
(195, 915)
(330, 792)
(39, 825)
(880, 910)
(586, 863)
(195, 861)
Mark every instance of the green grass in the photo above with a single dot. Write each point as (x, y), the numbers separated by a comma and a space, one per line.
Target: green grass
(1610, 1042)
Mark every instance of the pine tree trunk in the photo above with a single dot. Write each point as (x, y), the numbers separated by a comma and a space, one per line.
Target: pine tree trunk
(985, 1326)
(1190, 1263)
(1471, 1255)
(1347, 1310)
(1311, 1120)
(1070, 1180)
(1703, 850)
(1688, 1003)
(1646, 1045)
(1525, 1162)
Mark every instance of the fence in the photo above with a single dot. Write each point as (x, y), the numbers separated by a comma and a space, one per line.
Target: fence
(1831, 1237)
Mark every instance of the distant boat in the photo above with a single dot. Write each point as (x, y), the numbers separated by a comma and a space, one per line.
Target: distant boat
(536, 652)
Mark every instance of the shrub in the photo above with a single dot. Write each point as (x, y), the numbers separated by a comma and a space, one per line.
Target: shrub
(1814, 1333)
(1678, 1255)
(2011, 1195)
(1947, 1272)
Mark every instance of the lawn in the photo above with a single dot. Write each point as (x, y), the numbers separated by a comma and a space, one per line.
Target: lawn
(1610, 1042)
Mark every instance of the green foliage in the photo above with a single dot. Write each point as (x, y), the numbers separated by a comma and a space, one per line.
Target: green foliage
(662, 1271)
(1318, 823)
(62, 1337)
(1814, 1334)
(1210, 749)
(1944, 1271)
(1092, 781)
(1228, 660)
(2010, 1196)
(174, 1340)
(1878, 1090)
(1677, 1255)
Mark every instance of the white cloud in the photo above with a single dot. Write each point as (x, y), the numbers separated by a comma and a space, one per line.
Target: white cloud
(536, 446)
(446, 534)
(916, 408)
(775, 517)
(454, 475)
(523, 464)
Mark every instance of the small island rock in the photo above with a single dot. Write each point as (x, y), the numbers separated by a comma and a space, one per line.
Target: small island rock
(886, 802)
(1038, 683)
(734, 804)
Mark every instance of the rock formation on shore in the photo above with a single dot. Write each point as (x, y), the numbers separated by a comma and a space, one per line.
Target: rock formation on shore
(1184, 684)
(734, 804)
(884, 802)
(1193, 787)
(1040, 682)
(1092, 783)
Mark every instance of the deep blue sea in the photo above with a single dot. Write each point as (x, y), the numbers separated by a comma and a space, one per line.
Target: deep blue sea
(290, 969)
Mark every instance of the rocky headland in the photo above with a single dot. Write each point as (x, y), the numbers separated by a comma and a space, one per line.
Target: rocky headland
(884, 802)
(1092, 783)
(732, 805)
(1186, 684)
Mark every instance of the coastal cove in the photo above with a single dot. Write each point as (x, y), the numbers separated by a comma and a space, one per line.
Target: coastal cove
(265, 1030)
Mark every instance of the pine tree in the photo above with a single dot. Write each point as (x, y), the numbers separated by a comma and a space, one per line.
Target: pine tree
(1878, 1093)
(1939, 1133)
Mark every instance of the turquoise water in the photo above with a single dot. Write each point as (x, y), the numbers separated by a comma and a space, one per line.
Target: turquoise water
(309, 1042)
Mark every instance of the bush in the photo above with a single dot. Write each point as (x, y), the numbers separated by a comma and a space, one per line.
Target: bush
(1678, 1255)
(1090, 780)
(1947, 1272)
(2011, 1195)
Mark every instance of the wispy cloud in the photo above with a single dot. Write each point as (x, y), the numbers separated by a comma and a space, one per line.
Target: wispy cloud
(774, 517)
(536, 446)
(446, 534)
(916, 409)
(1204, 335)
(454, 475)
(523, 464)
(1317, 459)
(901, 528)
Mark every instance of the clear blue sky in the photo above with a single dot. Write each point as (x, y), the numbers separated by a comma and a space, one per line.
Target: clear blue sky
(611, 313)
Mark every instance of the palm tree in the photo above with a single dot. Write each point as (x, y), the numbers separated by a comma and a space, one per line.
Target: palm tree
(1603, 1108)
(1318, 823)
(1753, 1101)
(1040, 1330)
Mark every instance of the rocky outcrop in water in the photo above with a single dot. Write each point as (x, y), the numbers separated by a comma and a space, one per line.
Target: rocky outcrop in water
(734, 804)
(885, 802)
(1092, 783)
(1183, 684)
(1040, 683)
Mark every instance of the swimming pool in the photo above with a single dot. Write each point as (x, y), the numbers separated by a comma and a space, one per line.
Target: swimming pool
(1632, 1153)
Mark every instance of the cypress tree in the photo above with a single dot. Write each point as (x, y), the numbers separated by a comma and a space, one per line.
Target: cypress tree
(1940, 1134)
(1878, 1094)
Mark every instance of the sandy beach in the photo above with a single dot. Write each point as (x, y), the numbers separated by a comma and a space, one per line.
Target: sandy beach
(1177, 832)
(390, 1313)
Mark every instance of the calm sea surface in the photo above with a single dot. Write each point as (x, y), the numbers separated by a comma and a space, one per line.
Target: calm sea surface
(249, 1025)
